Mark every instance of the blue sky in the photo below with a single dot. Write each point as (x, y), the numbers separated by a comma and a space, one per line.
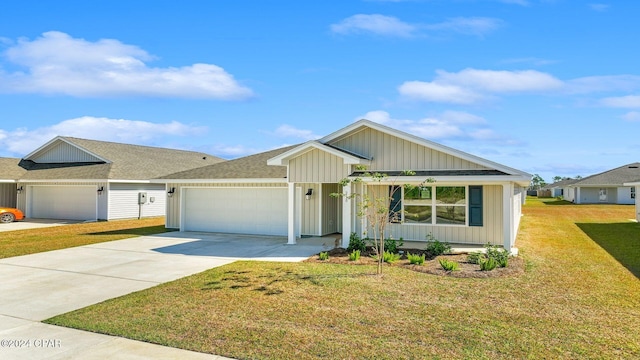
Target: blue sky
(549, 87)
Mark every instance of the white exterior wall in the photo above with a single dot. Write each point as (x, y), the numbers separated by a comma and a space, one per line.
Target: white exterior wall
(569, 194)
(123, 200)
(591, 195)
(637, 205)
(21, 202)
(624, 196)
(62, 153)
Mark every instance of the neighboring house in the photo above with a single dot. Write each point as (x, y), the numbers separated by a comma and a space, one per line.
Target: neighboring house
(607, 187)
(288, 191)
(636, 187)
(10, 172)
(561, 188)
(79, 179)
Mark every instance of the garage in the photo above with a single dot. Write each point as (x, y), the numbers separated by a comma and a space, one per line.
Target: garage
(258, 211)
(63, 202)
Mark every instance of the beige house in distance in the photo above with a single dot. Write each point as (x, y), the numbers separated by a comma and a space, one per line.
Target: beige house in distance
(287, 191)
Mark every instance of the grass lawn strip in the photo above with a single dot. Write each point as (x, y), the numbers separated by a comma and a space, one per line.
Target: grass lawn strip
(23, 242)
(575, 300)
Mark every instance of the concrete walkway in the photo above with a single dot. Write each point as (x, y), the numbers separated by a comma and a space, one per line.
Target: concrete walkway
(39, 286)
(35, 224)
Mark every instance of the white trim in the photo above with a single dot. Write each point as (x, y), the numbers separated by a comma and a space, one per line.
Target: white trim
(55, 181)
(291, 214)
(479, 180)
(60, 138)
(507, 216)
(129, 181)
(319, 195)
(219, 181)
(423, 142)
(284, 158)
(8, 181)
(347, 219)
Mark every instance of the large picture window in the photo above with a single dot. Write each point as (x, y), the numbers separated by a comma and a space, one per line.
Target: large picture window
(433, 205)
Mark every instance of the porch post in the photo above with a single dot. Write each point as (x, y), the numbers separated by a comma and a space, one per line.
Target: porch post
(291, 216)
(346, 215)
(507, 215)
(577, 196)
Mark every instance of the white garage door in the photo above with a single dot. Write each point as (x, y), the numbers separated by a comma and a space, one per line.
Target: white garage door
(64, 202)
(261, 211)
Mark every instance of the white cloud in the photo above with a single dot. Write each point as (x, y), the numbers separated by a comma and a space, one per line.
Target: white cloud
(21, 141)
(599, 7)
(449, 125)
(471, 85)
(392, 26)
(632, 116)
(470, 26)
(629, 101)
(374, 23)
(56, 63)
(289, 131)
(591, 84)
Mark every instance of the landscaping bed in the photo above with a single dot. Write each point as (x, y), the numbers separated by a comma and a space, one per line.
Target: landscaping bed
(431, 266)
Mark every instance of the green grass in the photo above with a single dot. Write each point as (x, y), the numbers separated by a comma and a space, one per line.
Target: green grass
(574, 301)
(23, 242)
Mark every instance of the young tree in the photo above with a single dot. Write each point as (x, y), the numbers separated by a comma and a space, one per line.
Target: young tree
(378, 208)
(557, 178)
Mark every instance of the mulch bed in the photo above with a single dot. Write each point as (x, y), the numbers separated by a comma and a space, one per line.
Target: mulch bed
(430, 266)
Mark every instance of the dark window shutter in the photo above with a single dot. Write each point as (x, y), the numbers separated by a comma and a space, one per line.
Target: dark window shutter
(395, 204)
(475, 205)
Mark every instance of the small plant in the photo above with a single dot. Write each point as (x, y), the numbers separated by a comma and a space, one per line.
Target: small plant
(323, 256)
(354, 255)
(393, 245)
(475, 257)
(449, 265)
(435, 247)
(488, 264)
(500, 256)
(416, 259)
(390, 257)
(356, 243)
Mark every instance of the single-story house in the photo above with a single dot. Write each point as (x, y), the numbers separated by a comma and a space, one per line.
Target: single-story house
(636, 187)
(561, 188)
(607, 187)
(10, 172)
(287, 191)
(79, 179)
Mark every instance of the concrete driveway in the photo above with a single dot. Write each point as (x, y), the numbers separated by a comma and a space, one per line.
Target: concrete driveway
(34, 224)
(36, 287)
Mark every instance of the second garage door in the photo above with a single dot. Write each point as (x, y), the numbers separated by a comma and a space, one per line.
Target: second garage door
(259, 211)
(63, 202)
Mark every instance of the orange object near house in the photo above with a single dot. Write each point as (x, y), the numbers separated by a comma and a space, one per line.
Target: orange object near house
(8, 215)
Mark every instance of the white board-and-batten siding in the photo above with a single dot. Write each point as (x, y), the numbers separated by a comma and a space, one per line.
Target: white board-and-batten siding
(173, 203)
(317, 166)
(490, 232)
(8, 194)
(62, 153)
(389, 152)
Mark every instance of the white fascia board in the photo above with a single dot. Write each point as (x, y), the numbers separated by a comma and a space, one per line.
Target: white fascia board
(635, 183)
(60, 138)
(129, 181)
(8, 181)
(498, 179)
(427, 143)
(218, 181)
(63, 181)
(283, 158)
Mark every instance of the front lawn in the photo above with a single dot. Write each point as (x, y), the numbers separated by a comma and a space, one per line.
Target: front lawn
(23, 242)
(575, 300)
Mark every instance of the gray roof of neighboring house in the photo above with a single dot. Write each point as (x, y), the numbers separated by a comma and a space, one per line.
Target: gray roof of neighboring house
(10, 169)
(248, 167)
(127, 162)
(561, 183)
(614, 177)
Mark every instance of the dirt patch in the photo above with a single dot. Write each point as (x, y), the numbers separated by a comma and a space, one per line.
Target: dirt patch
(430, 266)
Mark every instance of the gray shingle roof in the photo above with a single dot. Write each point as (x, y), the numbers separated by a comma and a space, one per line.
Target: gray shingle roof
(615, 177)
(128, 162)
(248, 167)
(10, 169)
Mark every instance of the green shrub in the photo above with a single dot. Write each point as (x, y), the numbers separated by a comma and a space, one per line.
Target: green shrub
(500, 256)
(488, 264)
(415, 259)
(356, 243)
(449, 265)
(435, 247)
(393, 245)
(390, 257)
(323, 256)
(475, 257)
(354, 255)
